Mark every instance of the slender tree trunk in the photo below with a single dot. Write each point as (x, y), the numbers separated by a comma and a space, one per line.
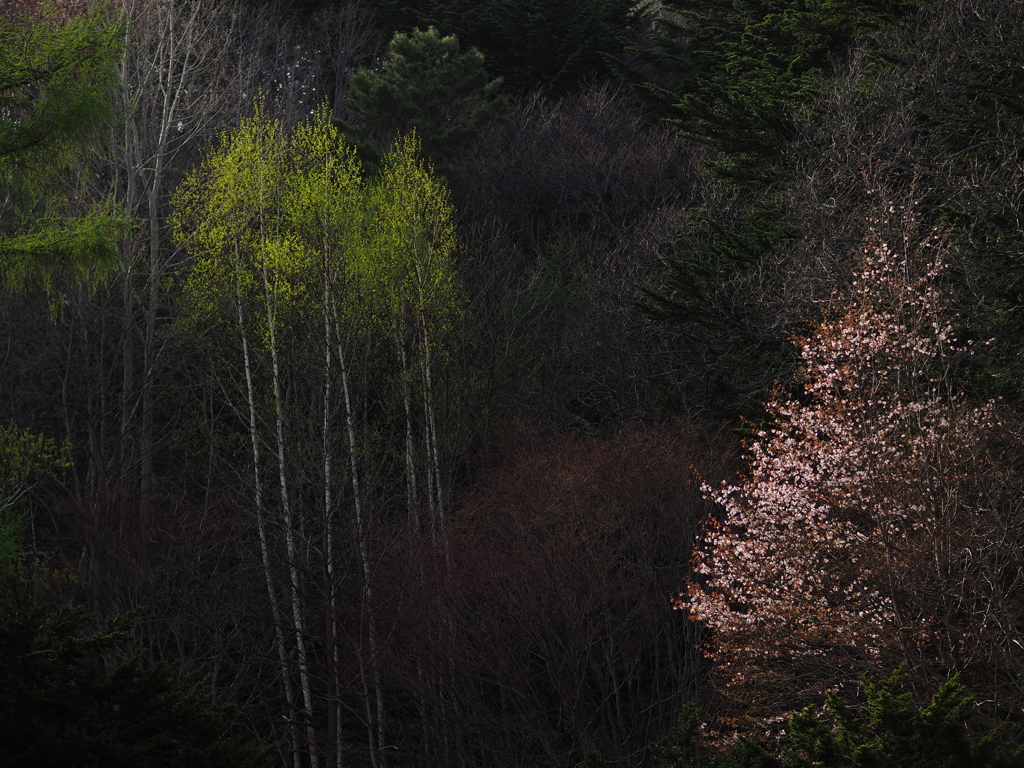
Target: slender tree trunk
(131, 163)
(149, 346)
(411, 483)
(261, 525)
(333, 707)
(375, 713)
(437, 501)
(173, 77)
(295, 583)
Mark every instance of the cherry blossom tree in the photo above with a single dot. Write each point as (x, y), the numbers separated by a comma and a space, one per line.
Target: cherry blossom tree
(870, 526)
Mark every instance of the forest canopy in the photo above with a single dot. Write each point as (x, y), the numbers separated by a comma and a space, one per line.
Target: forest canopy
(512, 383)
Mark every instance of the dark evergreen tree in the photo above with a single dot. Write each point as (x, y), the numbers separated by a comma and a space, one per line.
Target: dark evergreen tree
(429, 85)
(887, 728)
(56, 79)
(733, 76)
(550, 43)
(64, 703)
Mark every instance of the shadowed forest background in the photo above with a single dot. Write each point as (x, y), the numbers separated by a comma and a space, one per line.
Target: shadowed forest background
(448, 383)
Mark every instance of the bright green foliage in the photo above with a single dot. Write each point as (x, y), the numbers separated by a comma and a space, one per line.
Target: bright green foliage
(411, 242)
(323, 192)
(229, 216)
(296, 209)
(323, 213)
(248, 214)
(56, 79)
(428, 85)
(62, 705)
(327, 281)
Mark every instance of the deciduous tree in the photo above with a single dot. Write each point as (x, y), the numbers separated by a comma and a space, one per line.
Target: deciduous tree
(873, 524)
(313, 289)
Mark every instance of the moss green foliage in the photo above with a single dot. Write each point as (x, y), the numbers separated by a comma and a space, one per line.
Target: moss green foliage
(24, 458)
(56, 77)
(64, 702)
(430, 86)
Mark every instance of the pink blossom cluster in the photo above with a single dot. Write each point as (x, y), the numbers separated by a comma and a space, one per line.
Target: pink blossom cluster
(805, 561)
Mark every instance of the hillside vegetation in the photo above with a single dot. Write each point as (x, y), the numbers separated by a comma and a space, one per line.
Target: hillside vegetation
(512, 383)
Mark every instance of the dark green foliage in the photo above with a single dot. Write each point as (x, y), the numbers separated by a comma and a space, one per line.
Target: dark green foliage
(25, 457)
(757, 63)
(56, 79)
(713, 256)
(679, 747)
(702, 286)
(886, 730)
(734, 76)
(62, 704)
(551, 43)
(428, 85)
(952, 91)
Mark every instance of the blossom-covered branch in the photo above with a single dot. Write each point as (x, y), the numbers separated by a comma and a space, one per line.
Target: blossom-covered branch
(843, 547)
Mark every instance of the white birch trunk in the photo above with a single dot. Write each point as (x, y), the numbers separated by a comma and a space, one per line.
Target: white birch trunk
(291, 550)
(261, 525)
(375, 713)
